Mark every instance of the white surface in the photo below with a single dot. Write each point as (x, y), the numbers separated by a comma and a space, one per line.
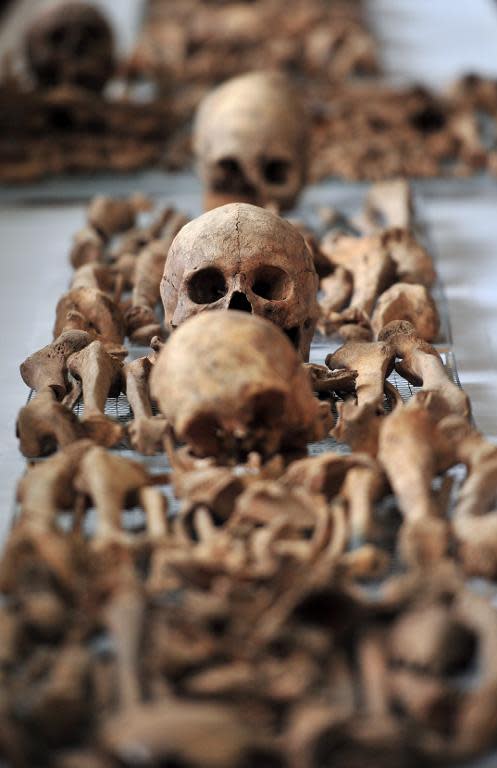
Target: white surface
(34, 272)
(35, 241)
(436, 41)
(465, 233)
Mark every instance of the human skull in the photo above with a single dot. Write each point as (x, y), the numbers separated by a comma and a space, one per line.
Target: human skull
(70, 43)
(230, 383)
(250, 139)
(246, 258)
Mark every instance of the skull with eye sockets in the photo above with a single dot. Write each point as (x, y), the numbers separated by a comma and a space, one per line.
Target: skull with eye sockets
(70, 43)
(250, 140)
(245, 258)
(230, 383)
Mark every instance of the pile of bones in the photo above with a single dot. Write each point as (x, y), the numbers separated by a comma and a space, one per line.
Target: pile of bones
(71, 103)
(231, 599)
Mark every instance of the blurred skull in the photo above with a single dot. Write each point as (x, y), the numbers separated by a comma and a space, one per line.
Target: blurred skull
(250, 140)
(70, 43)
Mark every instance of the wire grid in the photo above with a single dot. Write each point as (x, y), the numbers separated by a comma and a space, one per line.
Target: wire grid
(118, 408)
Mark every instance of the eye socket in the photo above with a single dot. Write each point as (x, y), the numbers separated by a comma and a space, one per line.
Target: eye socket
(267, 408)
(275, 171)
(230, 177)
(272, 283)
(206, 286)
(58, 36)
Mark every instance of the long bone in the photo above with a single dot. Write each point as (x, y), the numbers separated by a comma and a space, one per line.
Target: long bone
(422, 366)
(99, 373)
(146, 431)
(475, 514)
(111, 483)
(358, 421)
(124, 617)
(413, 451)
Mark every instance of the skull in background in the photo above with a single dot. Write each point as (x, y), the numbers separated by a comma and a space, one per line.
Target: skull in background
(70, 43)
(250, 140)
(230, 383)
(246, 258)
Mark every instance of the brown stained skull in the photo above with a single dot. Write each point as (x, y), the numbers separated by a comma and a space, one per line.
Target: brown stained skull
(70, 43)
(230, 383)
(250, 140)
(246, 258)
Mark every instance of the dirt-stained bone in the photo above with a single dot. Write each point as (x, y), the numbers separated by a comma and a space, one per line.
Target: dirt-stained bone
(389, 204)
(406, 301)
(111, 483)
(248, 393)
(47, 487)
(44, 425)
(110, 215)
(357, 478)
(421, 365)
(412, 451)
(250, 141)
(88, 247)
(47, 367)
(414, 263)
(142, 323)
(91, 310)
(243, 257)
(371, 266)
(359, 421)
(146, 430)
(474, 519)
(99, 374)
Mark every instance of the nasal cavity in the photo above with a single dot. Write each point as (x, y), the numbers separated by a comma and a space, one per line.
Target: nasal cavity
(239, 301)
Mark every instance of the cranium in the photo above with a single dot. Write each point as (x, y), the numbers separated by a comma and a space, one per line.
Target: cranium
(230, 383)
(70, 43)
(250, 141)
(246, 258)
